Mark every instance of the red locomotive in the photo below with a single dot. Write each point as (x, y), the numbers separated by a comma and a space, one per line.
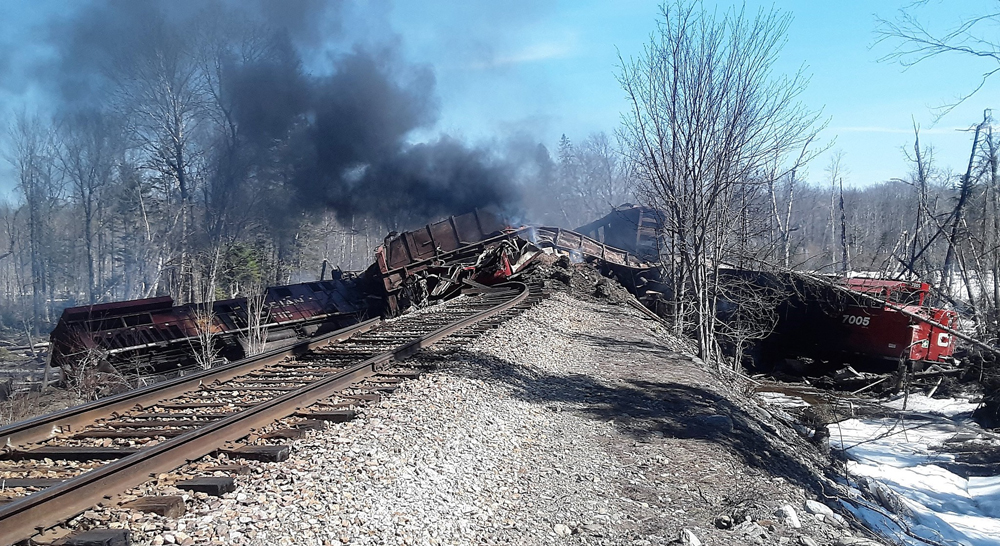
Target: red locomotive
(900, 327)
(868, 323)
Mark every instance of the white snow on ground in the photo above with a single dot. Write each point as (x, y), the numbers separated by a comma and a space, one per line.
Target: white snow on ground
(949, 407)
(896, 460)
(944, 507)
(782, 400)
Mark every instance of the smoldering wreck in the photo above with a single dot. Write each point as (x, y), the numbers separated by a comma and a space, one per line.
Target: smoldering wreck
(818, 324)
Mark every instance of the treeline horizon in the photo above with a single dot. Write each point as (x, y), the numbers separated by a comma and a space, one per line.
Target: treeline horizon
(65, 244)
(577, 184)
(191, 154)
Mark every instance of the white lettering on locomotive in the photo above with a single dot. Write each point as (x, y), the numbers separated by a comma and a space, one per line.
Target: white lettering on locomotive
(857, 320)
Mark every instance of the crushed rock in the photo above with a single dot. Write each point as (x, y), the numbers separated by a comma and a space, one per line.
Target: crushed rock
(576, 423)
(582, 279)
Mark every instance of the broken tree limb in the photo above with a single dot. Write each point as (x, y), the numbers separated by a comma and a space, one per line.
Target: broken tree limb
(934, 390)
(870, 385)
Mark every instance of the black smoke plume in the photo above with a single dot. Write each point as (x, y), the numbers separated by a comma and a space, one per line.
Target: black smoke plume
(345, 124)
(360, 160)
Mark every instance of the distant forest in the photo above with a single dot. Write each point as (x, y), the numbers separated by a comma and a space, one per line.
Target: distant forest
(192, 155)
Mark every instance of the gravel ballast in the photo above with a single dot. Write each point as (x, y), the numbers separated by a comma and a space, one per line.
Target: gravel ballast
(577, 422)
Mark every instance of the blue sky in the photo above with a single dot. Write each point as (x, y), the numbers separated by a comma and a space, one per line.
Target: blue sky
(551, 69)
(546, 68)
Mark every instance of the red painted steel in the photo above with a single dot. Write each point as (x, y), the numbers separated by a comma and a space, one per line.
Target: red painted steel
(879, 330)
(155, 333)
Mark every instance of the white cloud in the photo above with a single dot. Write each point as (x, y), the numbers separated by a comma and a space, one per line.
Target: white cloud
(541, 51)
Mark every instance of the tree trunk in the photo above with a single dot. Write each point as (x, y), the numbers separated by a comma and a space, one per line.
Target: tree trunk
(845, 264)
(965, 189)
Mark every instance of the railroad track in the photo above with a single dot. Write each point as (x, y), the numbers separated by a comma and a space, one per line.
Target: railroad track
(88, 454)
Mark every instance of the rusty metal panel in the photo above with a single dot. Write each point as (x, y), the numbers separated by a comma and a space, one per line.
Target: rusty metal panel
(632, 228)
(467, 228)
(398, 254)
(122, 329)
(592, 247)
(117, 308)
(434, 239)
(420, 243)
(477, 226)
(444, 235)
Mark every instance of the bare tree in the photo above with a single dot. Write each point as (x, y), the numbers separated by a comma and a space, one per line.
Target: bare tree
(91, 144)
(568, 180)
(32, 156)
(603, 183)
(256, 336)
(923, 161)
(158, 89)
(707, 120)
(783, 219)
(957, 217)
(206, 351)
(914, 42)
(845, 249)
(988, 252)
(747, 312)
(10, 232)
(835, 170)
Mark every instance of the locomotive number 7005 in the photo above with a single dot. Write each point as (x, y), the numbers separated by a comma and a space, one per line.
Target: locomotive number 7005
(857, 319)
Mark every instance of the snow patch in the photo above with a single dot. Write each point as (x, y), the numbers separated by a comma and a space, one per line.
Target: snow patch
(781, 400)
(948, 407)
(933, 502)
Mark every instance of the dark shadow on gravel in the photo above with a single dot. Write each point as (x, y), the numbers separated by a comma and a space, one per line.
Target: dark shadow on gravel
(647, 411)
(640, 346)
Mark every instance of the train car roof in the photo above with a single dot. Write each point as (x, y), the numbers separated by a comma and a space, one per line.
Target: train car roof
(117, 308)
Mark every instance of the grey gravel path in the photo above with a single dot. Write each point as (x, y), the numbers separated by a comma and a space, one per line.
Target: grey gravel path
(577, 423)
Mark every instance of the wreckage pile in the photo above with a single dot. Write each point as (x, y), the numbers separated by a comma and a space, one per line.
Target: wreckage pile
(583, 280)
(412, 269)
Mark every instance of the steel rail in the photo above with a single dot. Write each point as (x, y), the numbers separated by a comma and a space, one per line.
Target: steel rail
(45, 426)
(36, 512)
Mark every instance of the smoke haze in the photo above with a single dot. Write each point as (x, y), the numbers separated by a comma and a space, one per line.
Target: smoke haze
(346, 124)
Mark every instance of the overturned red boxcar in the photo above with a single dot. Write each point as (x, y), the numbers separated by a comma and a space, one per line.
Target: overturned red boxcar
(153, 335)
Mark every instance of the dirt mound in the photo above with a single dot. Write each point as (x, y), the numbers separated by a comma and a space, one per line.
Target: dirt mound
(581, 279)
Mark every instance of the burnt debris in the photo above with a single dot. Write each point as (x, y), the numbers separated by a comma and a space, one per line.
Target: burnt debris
(811, 327)
(414, 268)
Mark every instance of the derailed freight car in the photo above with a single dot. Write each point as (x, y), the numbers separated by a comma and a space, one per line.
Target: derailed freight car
(430, 263)
(895, 323)
(427, 264)
(874, 322)
(633, 228)
(153, 335)
(870, 323)
(436, 261)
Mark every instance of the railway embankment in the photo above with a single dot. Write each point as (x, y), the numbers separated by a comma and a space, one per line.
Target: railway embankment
(577, 422)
